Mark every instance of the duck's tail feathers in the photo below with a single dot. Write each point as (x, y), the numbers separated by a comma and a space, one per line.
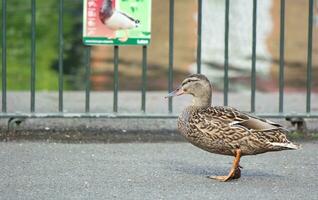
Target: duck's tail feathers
(288, 145)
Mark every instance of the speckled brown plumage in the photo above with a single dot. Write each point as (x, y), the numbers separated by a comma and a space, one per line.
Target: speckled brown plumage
(222, 130)
(225, 130)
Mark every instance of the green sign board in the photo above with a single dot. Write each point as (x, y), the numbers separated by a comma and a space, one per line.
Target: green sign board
(117, 22)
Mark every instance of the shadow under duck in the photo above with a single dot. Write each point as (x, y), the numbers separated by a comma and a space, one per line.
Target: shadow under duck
(225, 130)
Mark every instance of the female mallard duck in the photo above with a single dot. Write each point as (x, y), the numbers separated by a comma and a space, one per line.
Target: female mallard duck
(225, 130)
(116, 20)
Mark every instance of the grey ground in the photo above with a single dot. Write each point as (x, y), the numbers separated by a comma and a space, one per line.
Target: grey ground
(40, 170)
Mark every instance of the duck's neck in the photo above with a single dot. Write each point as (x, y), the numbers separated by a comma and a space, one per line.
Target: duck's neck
(203, 100)
(107, 8)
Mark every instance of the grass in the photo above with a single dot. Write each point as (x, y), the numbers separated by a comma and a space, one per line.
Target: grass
(18, 42)
(297, 135)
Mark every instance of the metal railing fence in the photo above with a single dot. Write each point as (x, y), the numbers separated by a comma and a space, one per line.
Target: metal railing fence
(143, 112)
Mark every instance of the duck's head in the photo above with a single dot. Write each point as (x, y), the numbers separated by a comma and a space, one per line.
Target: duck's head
(198, 86)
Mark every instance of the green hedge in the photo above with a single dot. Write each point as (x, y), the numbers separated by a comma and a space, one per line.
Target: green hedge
(19, 44)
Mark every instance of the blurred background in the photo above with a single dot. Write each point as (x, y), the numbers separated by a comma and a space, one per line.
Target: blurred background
(240, 46)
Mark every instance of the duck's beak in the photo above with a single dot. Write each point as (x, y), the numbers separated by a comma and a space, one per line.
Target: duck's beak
(176, 92)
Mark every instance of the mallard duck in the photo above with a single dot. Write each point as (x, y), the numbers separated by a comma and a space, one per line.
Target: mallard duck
(116, 20)
(226, 130)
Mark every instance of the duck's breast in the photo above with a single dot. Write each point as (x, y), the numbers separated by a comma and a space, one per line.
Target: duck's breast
(203, 134)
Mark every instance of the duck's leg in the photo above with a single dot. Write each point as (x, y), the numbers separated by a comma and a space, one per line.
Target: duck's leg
(125, 38)
(235, 171)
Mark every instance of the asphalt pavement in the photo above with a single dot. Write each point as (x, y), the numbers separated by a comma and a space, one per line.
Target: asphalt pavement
(42, 170)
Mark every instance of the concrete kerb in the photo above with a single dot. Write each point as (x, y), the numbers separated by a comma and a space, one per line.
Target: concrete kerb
(110, 130)
(87, 129)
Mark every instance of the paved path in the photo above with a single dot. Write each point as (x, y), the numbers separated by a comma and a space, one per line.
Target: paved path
(150, 171)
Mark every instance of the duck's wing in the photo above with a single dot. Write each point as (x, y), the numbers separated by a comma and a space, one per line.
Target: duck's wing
(234, 117)
(266, 133)
(120, 21)
(126, 15)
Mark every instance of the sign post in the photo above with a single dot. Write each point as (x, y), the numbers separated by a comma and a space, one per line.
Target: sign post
(117, 22)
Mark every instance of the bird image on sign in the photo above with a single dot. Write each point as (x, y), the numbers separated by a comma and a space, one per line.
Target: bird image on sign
(116, 20)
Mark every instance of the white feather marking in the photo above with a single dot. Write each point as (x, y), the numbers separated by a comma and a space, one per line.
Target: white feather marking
(233, 123)
(236, 124)
(286, 145)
